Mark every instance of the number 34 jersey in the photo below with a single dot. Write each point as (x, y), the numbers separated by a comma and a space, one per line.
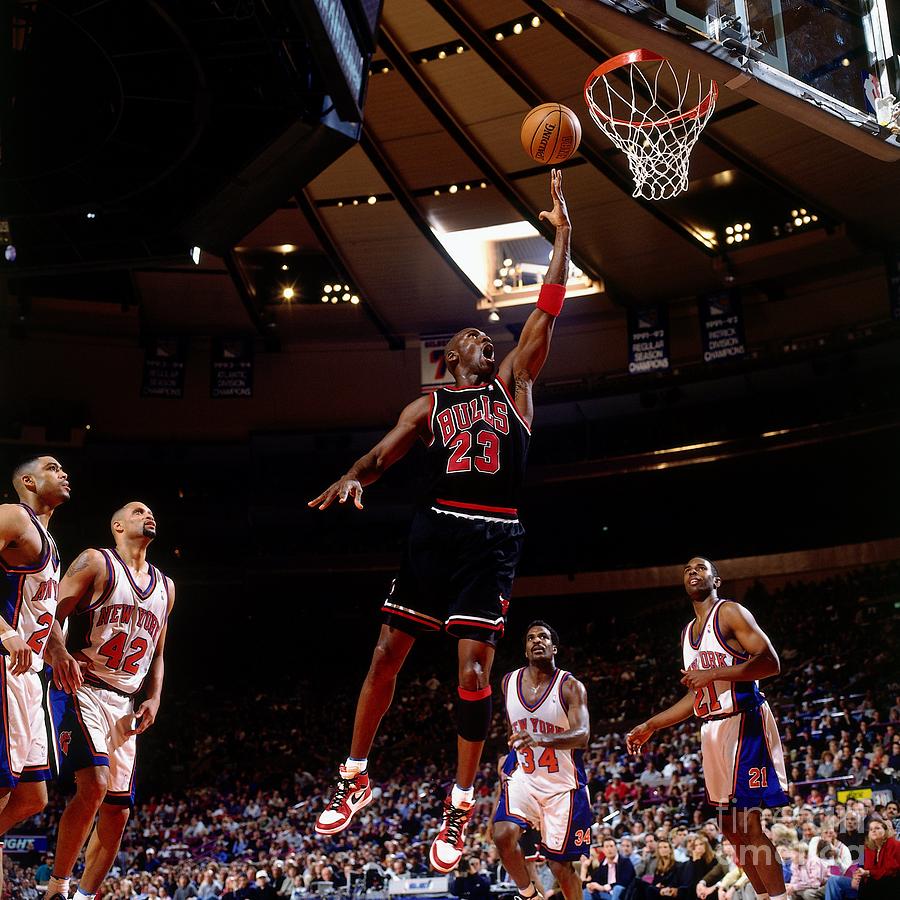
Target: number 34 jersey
(476, 456)
(119, 631)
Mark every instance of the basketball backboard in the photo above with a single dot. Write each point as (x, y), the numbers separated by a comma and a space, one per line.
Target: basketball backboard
(830, 63)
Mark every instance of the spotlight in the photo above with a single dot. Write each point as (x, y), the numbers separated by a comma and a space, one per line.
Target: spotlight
(483, 184)
(437, 193)
(535, 22)
(493, 316)
(453, 188)
(442, 54)
(354, 300)
(507, 262)
(517, 28)
(195, 253)
(356, 202)
(345, 296)
(498, 36)
(798, 221)
(346, 287)
(738, 228)
(284, 268)
(340, 202)
(327, 288)
(729, 230)
(287, 293)
(729, 239)
(498, 282)
(468, 187)
(334, 299)
(746, 226)
(92, 215)
(324, 298)
(460, 49)
(794, 213)
(373, 199)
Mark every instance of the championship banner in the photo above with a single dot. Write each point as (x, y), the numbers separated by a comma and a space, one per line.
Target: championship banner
(648, 339)
(722, 327)
(231, 368)
(164, 361)
(25, 843)
(893, 273)
(434, 369)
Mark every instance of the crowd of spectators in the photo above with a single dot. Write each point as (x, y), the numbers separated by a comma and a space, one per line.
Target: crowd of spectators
(233, 783)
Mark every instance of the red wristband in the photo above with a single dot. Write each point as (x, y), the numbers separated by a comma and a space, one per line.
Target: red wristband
(551, 297)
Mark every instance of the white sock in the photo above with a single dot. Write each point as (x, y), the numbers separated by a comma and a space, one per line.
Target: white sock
(459, 795)
(57, 886)
(524, 892)
(356, 765)
(81, 895)
(778, 896)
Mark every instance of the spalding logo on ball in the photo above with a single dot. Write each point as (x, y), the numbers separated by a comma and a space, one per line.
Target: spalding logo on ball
(551, 133)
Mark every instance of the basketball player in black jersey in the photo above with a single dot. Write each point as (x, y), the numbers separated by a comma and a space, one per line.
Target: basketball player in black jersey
(465, 540)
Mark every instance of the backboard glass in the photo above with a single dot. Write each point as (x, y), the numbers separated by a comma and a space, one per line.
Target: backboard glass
(839, 56)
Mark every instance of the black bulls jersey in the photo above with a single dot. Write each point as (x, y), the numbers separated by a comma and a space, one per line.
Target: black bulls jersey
(476, 457)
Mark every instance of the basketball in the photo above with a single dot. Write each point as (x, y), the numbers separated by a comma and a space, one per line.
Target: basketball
(551, 133)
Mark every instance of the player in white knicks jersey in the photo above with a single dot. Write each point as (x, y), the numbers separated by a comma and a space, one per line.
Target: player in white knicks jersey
(118, 606)
(725, 654)
(29, 586)
(546, 708)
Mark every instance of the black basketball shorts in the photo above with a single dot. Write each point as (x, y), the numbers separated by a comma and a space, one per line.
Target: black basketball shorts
(457, 575)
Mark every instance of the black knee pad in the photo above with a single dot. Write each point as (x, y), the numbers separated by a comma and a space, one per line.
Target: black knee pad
(473, 714)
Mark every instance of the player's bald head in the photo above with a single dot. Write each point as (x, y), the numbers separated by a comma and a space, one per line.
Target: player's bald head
(121, 514)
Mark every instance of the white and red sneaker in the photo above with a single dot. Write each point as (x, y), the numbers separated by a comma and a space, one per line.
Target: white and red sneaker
(351, 794)
(447, 849)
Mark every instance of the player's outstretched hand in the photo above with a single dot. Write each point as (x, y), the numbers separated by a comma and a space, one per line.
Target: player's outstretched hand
(19, 654)
(340, 491)
(520, 740)
(637, 737)
(145, 715)
(68, 672)
(558, 217)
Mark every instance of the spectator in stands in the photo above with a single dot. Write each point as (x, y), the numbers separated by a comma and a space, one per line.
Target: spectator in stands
(703, 865)
(668, 880)
(612, 875)
(474, 885)
(185, 889)
(264, 889)
(808, 874)
(837, 854)
(879, 876)
(44, 870)
(626, 849)
(647, 863)
(732, 885)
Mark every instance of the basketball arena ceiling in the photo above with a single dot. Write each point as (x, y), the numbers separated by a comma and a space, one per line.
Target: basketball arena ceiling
(438, 148)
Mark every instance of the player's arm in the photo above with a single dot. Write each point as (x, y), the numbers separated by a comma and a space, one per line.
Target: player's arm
(676, 713)
(14, 525)
(146, 713)
(738, 625)
(412, 424)
(524, 363)
(83, 579)
(578, 733)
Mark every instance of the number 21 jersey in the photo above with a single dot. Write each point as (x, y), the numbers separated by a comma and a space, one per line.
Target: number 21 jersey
(476, 456)
(119, 631)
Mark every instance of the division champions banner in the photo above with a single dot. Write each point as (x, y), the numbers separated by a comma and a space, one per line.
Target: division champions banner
(722, 327)
(231, 368)
(648, 339)
(164, 361)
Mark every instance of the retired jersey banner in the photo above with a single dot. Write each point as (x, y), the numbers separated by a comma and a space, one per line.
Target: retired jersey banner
(648, 339)
(893, 271)
(434, 369)
(164, 361)
(231, 368)
(722, 326)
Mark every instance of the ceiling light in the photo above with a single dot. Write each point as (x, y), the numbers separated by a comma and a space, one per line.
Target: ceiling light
(442, 54)
(10, 254)
(195, 254)
(815, 218)
(385, 70)
(802, 212)
(284, 268)
(334, 299)
(372, 200)
(517, 28)
(92, 215)
(287, 293)
(498, 282)
(324, 298)
(535, 22)
(354, 300)
(793, 213)
(345, 296)
(483, 184)
(498, 36)
(806, 220)
(346, 287)
(729, 230)
(327, 288)
(493, 316)
(356, 202)
(746, 226)
(798, 221)
(460, 49)
(845, 62)
(729, 239)
(468, 187)
(507, 262)
(287, 248)
(437, 193)
(340, 202)
(453, 188)
(738, 228)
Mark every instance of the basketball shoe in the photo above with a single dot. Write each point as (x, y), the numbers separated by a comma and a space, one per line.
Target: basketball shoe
(447, 848)
(351, 794)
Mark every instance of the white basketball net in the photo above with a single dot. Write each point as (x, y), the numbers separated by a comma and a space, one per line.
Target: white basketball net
(656, 135)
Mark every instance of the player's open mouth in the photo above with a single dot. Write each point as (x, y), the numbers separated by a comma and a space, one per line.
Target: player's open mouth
(694, 580)
(488, 351)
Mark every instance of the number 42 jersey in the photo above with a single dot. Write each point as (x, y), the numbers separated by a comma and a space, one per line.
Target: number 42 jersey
(119, 631)
(476, 456)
